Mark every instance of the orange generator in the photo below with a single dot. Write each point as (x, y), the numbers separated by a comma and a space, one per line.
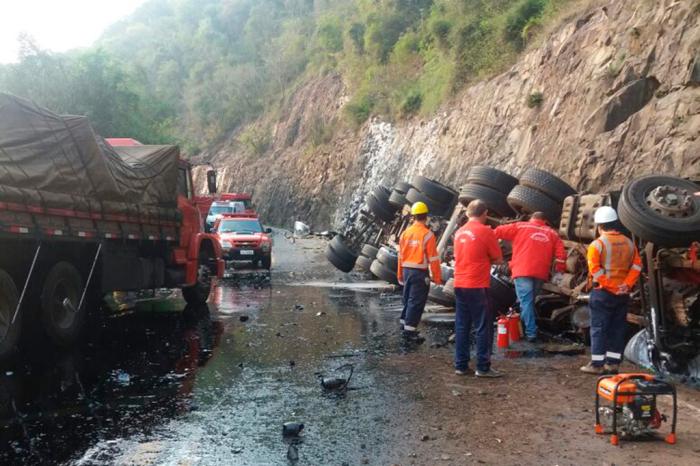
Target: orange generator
(632, 411)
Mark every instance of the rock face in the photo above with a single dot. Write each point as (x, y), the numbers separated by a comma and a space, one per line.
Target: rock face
(611, 94)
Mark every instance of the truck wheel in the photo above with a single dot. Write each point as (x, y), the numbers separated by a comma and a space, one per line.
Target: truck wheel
(397, 199)
(9, 332)
(339, 262)
(662, 210)
(494, 200)
(434, 190)
(379, 204)
(199, 293)
(402, 187)
(337, 244)
(436, 208)
(438, 295)
(266, 262)
(381, 271)
(528, 200)
(492, 178)
(388, 258)
(547, 183)
(369, 251)
(60, 324)
(363, 263)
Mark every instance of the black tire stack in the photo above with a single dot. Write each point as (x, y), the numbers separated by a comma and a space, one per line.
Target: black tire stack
(397, 198)
(379, 204)
(385, 265)
(492, 187)
(340, 254)
(367, 254)
(439, 198)
(540, 191)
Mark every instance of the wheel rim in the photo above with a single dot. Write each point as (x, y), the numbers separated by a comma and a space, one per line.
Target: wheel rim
(6, 312)
(203, 276)
(671, 201)
(62, 317)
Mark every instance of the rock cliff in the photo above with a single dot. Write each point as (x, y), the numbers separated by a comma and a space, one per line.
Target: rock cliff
(613, 92)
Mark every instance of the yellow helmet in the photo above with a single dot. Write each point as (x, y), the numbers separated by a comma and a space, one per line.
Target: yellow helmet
(419, 208)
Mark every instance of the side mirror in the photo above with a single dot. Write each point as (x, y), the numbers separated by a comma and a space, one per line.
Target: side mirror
(268, 230)
(211, 181)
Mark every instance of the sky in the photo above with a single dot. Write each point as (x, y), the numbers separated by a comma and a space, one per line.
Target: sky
(58, 25)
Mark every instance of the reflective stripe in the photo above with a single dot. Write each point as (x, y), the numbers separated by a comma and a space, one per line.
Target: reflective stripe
(434, 258)
(409, 328)
(597, 357)
(413, 265)
(427, 237)
(598, 246)
(607, 257)
(610, 354)
(636, 267)
(559, 260)
(598, 274)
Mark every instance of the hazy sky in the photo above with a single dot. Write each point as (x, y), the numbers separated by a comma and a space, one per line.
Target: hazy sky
(57, 25)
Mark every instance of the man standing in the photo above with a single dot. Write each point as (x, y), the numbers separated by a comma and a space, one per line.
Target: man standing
(613, 266)
(534, 246)
(475, 249)
(417, 255)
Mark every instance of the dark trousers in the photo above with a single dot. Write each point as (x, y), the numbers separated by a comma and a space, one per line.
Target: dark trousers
(608, 326)
(473, 308)
(416, 285)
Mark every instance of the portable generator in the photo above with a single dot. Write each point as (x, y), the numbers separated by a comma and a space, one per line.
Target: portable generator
(633, 411)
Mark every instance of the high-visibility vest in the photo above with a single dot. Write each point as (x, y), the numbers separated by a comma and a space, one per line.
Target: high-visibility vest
(613, 260)
(418, 250)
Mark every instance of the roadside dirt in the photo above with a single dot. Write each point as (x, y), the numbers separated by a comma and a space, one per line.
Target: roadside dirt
(542, 412)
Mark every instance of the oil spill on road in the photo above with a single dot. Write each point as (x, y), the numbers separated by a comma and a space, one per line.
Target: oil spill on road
(206, 388)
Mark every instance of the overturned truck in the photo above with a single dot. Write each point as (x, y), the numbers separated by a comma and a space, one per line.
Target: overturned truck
(80, 218)
(661, 214)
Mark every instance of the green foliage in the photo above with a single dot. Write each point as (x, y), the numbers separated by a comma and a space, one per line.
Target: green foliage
(196, 71)
(535, 99)
(518, 19)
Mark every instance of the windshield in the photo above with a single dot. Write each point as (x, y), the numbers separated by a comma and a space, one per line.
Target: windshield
(221, 209)
(240, 226)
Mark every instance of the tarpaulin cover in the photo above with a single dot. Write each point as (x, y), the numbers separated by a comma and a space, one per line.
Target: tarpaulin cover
(57, 161)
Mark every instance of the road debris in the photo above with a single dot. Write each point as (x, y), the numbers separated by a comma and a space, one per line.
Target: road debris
(292, 429)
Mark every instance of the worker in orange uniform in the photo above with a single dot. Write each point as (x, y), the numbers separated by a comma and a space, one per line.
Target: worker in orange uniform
(418, 261)
(613, 266)
(535, 245)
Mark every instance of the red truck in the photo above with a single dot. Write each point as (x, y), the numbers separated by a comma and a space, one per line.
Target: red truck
(243, 238)
(80, 218)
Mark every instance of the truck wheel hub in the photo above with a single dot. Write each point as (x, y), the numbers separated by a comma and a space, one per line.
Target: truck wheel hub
(671, 201)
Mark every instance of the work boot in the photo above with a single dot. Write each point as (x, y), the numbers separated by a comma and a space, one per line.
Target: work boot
(489, 374)
(461, 372)
(611, 368)
(591, 369)
(412, 336)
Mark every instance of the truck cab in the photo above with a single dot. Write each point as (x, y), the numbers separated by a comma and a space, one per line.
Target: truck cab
(243, 238)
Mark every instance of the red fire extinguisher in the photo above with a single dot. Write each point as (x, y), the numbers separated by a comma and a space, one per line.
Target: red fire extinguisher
(514, 326)
(502, 341)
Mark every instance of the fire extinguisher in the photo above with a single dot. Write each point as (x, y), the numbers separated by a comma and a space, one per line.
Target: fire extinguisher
(502, 341)
(514, 328)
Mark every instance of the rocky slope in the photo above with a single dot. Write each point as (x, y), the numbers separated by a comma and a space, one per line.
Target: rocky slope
(612, 93)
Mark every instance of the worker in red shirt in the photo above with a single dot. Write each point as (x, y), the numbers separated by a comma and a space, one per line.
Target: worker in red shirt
(475, 249)
(614, 266)
(418, 261)
(534, 246)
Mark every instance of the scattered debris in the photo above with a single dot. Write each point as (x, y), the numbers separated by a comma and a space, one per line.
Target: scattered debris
(293, 453)
(338, 383)
(292, 429)
(244, 318)
(298, 307)
(292, 363)
(320, 313)
(301, 230)
(425, 438)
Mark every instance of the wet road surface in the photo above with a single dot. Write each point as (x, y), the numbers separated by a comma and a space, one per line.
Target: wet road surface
(204, 387)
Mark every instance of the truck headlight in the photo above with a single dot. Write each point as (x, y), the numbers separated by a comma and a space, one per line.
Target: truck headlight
(265, 247)
(226, 244)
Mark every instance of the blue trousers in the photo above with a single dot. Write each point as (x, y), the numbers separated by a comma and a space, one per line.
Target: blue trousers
(473, 308)
(527, 288)
(608, 326)
(416, 286)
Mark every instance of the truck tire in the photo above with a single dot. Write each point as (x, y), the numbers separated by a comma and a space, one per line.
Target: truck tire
(342, 250)
(339, 262)
(662, 210)
(435, 190)
(435, 208)
(9, 332)
(369, 251)
(397, 199)
(491, 178)
(545, 182)
(380, 271)
(388, 257)
(378, 203)
(61, 325)
(199, 293)
(495, 200)
(437, 295)
(363, 263)
(528, 200)
(402, 187)
(266, 262)
(449, 287)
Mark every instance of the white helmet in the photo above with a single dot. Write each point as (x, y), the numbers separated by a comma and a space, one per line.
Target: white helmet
(605, 214)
